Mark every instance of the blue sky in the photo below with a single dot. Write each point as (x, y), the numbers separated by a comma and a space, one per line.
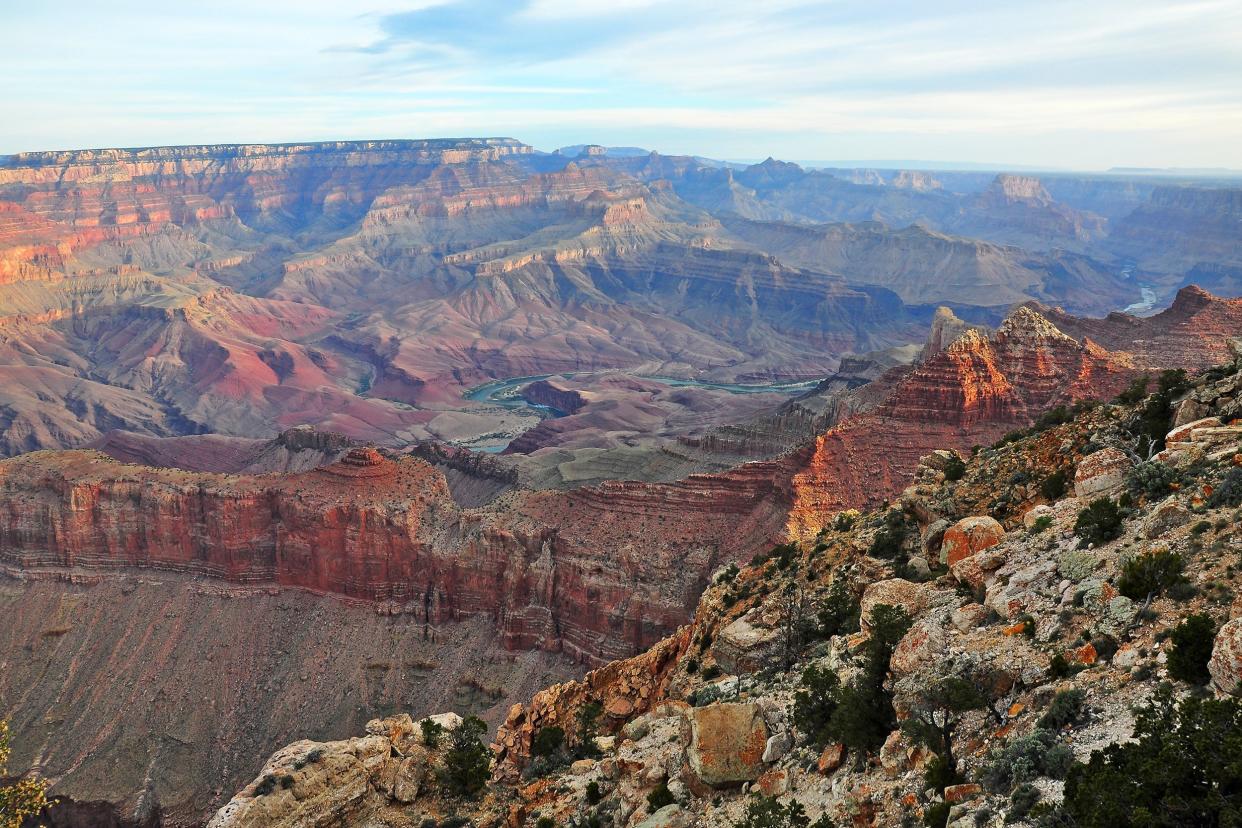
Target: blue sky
(1056, 84)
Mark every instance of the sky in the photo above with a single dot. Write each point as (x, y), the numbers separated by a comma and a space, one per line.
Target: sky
(1073, 85)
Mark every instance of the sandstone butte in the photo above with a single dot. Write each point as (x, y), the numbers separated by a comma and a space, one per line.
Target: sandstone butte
(599, 572)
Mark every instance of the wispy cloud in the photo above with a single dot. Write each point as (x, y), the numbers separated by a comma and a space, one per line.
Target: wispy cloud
(1053, 82)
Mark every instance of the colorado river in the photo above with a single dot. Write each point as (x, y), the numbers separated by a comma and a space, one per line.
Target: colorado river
(505, 393)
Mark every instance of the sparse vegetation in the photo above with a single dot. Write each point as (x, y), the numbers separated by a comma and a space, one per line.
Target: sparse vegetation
(1181, 769)
(1192, 649)
(659, 797)
(1150, 574)
(467, 762)
(19, 798)
(1054, 486)
(1099, 523)
(864, 715)
(431, 732)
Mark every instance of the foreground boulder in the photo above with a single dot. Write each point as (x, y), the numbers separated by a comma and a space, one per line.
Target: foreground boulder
(1226, 663)
(726, 743)
(1102, 474)
(970, 536)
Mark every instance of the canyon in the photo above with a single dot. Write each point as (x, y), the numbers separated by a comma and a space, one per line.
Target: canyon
(235, 395)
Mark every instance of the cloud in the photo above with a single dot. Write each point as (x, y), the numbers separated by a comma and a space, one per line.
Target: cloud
(1152, 82)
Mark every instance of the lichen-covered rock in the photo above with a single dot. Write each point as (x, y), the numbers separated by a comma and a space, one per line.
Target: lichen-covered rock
(726, 743)
(1101, 474)
(970, 536)
(744, 647)
(921, 647)
(894, 592)
(1225, 665)
(1164, 518)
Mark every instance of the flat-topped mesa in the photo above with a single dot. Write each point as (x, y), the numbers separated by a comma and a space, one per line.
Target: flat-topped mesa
(423, 151)
(1020, 188)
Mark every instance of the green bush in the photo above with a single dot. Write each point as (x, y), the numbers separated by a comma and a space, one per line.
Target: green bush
(1192, 649)
(432, 731)
(1229, 492)
(1066, 709)
(548, 741)
(593, 795)
(844, 521)
(1152, 478)
(1099, 523)
(814, 704)
(1181, 769)
(588, 728)
(768, 812)
(954, 468)
(1053, 417)
(1027, 758)
(545, 822)
(1135, 391)
(838, 615)
(864, 715)
(467, 763)
(1055, 485)
(659, 797)
(1021, 801)
(889, 541)
(1150, 574)
(266, 785)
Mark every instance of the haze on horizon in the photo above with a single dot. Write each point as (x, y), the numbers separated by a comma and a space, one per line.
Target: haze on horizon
(1051, 84)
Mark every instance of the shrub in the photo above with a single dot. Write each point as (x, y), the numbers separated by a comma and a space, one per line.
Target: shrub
(659, 797)
(1053, 417)
(1026, 758)
(548, 741)
(864, 715)
(844, 521)
(728, 574)
(1099, 523)
(1151, 478)
(467, 763)
(1180, 769)
(545, 822)
(1150, 574)
(588, 728)
(814, 704)
(1229, 492)
(1135, 391)
(937, 815)
(1041, 524)
(432, 731)
(1059, 666)
(1055, 485)
(784, 555)
(1066, 709)
(1021, 801)
(889, 540)
(266, 785)
(838, 615)
(1192, 649)
(768, 812)
(593, 795)
(954, 468)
